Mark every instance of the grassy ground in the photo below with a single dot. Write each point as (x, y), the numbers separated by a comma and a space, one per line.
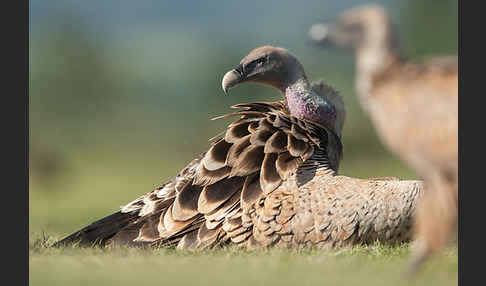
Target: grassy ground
(371, 265)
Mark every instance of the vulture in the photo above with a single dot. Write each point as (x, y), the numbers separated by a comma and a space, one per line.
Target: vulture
(414, 109)
(270, 179)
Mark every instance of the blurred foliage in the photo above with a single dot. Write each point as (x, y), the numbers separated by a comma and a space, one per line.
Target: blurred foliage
(121, 92)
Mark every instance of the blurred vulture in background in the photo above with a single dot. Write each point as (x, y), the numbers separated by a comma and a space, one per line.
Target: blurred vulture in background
(269, 180)
(413, 107)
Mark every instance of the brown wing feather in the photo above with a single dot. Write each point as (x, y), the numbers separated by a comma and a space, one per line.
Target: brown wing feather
(216, 194)
(235, 150)
(185, 204)
(251, 191)
(269, 177)
(149, 230)
(205, 177)
(215, 158)
(188, 241)
(236, 132)
(295, 146)
(276, 143)
(249, 161)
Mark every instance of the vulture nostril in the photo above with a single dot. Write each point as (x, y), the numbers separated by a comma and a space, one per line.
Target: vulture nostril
(239, 69)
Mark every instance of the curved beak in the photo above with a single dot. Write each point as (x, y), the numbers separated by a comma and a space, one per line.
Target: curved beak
(230, 79)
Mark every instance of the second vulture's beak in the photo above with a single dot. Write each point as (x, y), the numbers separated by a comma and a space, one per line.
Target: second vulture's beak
(320, 34)
(232, 78)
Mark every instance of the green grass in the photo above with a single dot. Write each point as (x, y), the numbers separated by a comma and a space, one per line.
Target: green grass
(370, 265)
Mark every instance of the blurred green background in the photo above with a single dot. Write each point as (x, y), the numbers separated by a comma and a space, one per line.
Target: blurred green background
(121, 92)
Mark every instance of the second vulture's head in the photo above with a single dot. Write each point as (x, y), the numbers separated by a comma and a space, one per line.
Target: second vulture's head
(268, 65)
(358, 28)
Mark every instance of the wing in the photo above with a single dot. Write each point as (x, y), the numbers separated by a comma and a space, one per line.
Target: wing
(256, 153)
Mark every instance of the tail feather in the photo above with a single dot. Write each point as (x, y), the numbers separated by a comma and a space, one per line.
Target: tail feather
(100, 231)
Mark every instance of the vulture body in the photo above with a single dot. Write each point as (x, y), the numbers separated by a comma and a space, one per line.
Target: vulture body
(270, 180)
(414, 108)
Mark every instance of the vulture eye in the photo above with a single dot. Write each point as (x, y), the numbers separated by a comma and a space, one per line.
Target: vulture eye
(256, 63)
(261, 60)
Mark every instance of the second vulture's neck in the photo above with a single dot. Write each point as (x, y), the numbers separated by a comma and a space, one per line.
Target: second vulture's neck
(375, 58)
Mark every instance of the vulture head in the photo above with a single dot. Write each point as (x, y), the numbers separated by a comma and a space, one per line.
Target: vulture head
(358, 28)
(268, 65)
(278, 68)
